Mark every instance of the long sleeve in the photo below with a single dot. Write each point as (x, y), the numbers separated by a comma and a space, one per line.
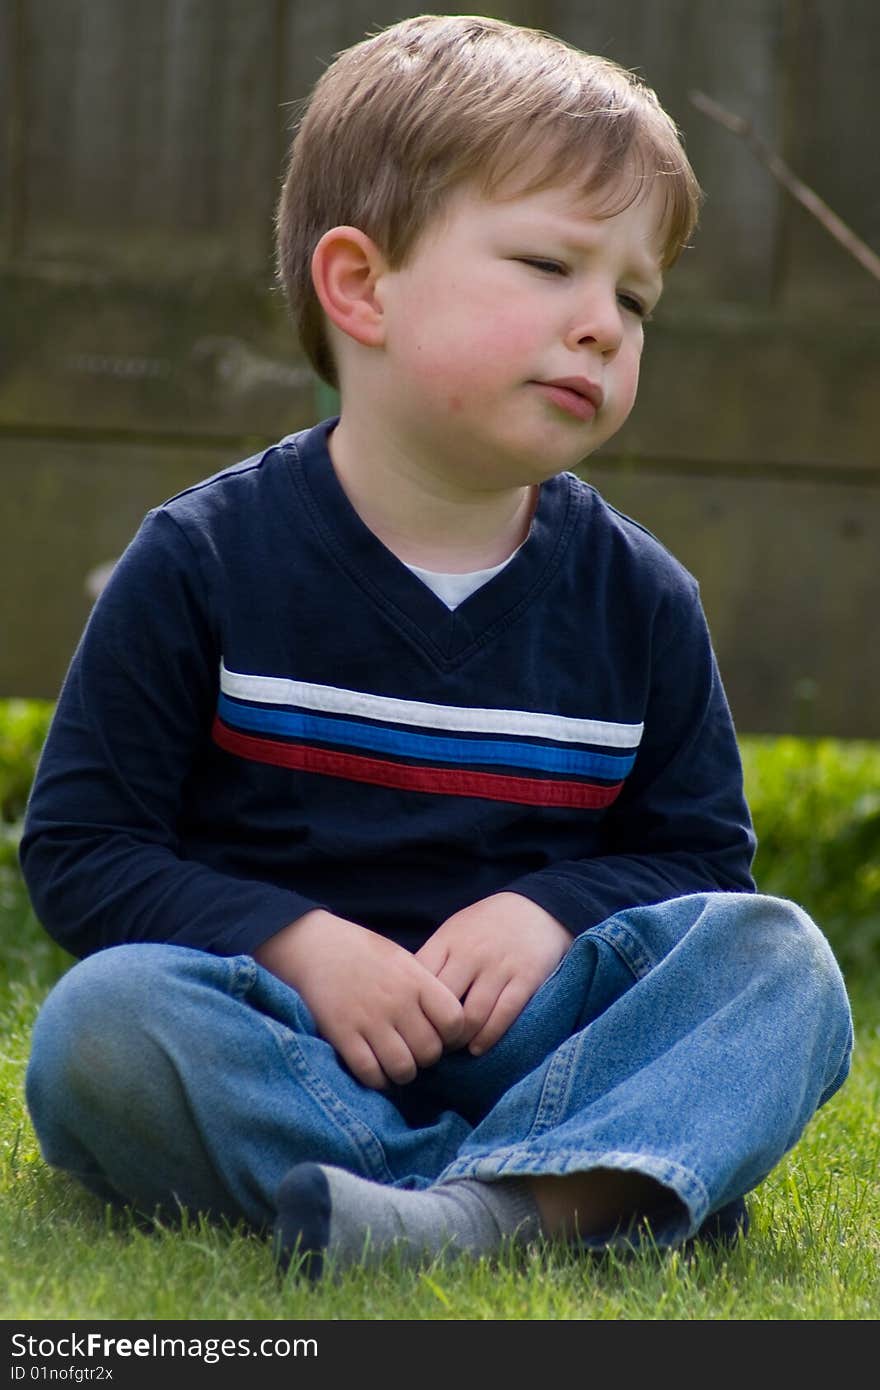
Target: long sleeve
(101, 851)
(681, 824)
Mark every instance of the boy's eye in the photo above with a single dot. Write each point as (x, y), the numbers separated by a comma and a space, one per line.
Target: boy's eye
(548, 267)
(633, 305)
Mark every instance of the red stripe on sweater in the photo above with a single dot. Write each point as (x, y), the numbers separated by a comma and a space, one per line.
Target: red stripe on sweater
(445, 781)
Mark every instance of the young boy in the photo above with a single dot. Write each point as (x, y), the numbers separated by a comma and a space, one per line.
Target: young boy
(392, 798)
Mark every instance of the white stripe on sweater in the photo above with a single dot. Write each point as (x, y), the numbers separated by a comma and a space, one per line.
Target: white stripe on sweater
(330, 699)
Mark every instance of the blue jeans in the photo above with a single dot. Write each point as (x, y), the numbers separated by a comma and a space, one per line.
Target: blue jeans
(690, 1041)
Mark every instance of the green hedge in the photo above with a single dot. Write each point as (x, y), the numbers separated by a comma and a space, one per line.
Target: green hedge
(816, 805)
(23, 726)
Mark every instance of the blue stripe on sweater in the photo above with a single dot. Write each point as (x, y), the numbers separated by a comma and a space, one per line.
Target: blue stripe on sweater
(426, 747)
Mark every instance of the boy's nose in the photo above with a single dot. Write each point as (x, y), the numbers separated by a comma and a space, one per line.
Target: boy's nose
(600, 324)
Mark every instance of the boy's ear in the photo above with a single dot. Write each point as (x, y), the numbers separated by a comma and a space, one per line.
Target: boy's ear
(346, 265)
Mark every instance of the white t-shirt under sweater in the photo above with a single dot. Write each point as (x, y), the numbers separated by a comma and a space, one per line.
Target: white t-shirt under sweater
(453, 589)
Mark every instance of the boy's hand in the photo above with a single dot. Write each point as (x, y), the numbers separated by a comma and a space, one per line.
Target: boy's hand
(381, 1009)
(494, 956)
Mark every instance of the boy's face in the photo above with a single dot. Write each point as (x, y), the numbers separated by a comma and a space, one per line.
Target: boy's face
(514, 332)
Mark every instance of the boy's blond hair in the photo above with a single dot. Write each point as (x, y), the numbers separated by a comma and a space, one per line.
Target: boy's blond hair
(408, 114)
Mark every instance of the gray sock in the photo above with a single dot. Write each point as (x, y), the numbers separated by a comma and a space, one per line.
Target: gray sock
(328, 1211)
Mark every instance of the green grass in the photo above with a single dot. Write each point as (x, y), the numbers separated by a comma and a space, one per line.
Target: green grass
(814, 1248)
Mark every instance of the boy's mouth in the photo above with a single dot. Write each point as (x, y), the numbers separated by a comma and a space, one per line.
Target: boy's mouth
(575, 395)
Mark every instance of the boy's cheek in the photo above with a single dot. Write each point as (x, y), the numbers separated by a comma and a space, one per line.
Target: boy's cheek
(470, 331)
(459, 377)
(622, 387)
(508, 341)
(469, 369)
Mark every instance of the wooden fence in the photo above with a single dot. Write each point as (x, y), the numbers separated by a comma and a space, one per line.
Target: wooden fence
(143, 344)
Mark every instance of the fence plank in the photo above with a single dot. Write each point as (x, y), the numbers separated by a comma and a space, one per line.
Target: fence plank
(153, 132)
(790, 582)
(11, 127)
(67, 508)
(833, 125)
(51, 43)
(756, 389)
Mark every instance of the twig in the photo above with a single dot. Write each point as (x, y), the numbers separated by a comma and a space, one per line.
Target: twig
(799, 190)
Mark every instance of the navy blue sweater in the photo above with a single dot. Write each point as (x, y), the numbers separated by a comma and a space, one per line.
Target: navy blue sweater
(268, 712)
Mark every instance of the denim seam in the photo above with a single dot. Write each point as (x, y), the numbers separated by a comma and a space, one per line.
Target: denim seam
(244, 975)
(367, 1143)
(627, 946)
(555, 1087)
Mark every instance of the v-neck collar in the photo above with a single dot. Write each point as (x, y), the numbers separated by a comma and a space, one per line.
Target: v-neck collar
(448, 636)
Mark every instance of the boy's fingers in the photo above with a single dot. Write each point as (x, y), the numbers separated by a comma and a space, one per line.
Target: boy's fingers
(457, 975)
(441, 1007)
(394, 1056)
(508, 1007)
(361, 1061)
(480, 1002)
(454, 972)
(422, 1039)
(432, 955)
